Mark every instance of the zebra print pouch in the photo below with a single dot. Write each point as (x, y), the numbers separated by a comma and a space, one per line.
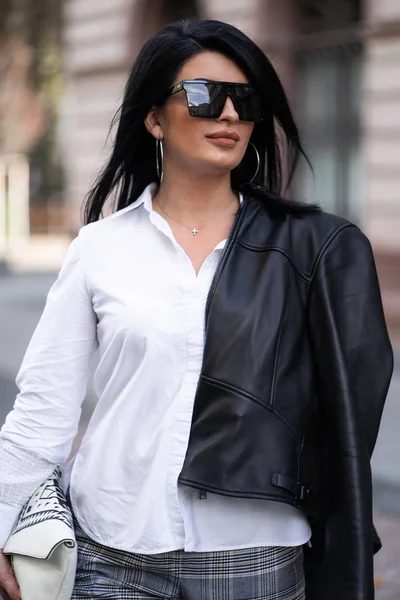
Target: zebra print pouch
(42, 545)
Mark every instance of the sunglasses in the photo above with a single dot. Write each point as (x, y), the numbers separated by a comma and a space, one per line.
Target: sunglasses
(206, 99)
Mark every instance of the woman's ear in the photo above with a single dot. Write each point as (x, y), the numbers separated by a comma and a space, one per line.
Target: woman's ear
(152, 124)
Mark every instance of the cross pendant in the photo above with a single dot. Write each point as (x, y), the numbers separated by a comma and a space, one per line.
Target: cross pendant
(195, 231)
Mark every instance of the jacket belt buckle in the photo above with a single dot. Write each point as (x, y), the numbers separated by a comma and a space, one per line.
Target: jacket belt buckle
(301, 491)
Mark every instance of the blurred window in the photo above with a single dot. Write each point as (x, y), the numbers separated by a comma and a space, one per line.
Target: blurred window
(180, 9)
(329, 107)
(148, 16)
(329, 15)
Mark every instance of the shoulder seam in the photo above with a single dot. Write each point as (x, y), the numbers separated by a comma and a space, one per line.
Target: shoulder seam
(325, 246)
(257, 248)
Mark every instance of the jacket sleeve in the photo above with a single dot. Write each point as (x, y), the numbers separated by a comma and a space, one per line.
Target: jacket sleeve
(353, 363)
(52, 379)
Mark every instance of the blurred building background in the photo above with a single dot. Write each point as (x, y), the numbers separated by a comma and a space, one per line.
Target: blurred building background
(63, 66)
(340, 62)
(31, 175)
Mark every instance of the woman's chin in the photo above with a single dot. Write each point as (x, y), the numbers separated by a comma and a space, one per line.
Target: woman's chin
(221, 165)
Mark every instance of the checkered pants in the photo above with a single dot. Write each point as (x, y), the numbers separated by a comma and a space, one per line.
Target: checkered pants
(271, 573)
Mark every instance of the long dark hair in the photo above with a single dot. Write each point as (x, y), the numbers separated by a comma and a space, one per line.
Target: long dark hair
(132, 165)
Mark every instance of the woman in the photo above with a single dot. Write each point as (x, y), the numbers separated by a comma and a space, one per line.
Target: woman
(243, 354)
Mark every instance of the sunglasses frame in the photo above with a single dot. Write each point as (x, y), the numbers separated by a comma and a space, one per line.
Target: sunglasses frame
(178, 87)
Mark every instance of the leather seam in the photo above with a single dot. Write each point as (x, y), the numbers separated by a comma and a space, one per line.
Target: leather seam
(227, 252)
(226, 386)
(232, 494)
(307, 277)
(325, 245)
(255, 248)
(305, 431)
(278, 343)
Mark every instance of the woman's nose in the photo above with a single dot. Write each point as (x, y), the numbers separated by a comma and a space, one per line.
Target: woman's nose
(229, 112)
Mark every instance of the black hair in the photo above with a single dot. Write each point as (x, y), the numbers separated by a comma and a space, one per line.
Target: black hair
(132, 165)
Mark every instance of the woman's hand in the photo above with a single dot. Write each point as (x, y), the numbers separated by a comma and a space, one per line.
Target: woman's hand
(9, 589)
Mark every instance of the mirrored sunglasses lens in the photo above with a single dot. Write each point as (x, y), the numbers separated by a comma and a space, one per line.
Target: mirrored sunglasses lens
(205, 100)
(197, 94)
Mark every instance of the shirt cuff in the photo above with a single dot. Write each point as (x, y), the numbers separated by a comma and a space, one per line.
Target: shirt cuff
(8, 517)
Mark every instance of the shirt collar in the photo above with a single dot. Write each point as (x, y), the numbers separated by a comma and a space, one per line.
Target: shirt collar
(145, 199)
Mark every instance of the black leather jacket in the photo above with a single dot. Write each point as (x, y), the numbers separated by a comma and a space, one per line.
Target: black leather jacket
(296, 368)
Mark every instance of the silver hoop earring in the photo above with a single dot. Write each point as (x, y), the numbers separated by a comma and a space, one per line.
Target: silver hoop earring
(159, 159)
(258, 163)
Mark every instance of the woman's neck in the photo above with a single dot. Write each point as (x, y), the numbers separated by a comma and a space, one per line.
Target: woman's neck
(194, 198)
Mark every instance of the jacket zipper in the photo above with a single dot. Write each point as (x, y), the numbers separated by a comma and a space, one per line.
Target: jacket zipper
(228, 244)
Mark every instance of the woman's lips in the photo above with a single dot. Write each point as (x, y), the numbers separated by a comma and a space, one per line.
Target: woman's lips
(223, 141)
(224, 138)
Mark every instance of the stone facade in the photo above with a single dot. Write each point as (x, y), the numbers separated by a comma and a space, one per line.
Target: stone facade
(96, 63)
(382, 148)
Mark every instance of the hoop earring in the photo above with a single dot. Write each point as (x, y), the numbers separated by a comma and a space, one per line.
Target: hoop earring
(258, 163)
(159, 159)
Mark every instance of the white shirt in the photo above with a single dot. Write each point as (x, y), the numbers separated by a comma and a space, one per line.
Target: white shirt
(129, 291)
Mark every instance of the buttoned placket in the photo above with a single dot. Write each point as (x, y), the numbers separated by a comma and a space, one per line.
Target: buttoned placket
(193, 290)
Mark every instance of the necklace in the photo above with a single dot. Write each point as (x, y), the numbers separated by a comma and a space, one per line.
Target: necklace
(195, 230)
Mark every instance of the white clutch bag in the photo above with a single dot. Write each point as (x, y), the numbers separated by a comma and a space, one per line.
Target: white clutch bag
(42, 545)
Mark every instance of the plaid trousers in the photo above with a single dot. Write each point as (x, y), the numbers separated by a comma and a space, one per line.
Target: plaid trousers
(270, 573)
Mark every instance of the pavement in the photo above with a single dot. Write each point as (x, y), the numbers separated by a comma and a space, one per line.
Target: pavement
(22, 297)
